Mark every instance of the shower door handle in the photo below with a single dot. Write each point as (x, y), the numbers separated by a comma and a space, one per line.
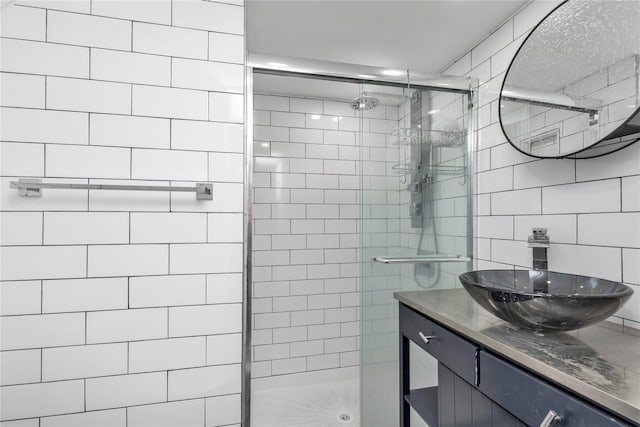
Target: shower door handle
(420, 259)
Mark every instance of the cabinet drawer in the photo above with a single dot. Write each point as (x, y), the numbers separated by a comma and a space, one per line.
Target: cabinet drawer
(456, 353)
(530, 398)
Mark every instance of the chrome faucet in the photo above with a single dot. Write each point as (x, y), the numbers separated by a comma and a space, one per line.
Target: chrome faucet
(539, 241)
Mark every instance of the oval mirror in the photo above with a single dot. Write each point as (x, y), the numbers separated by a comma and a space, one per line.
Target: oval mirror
(573, 88)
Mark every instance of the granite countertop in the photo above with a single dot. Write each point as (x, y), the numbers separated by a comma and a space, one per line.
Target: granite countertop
(600, 363)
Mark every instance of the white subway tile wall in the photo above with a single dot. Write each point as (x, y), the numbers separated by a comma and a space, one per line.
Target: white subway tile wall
(590, 206)
(114, 309)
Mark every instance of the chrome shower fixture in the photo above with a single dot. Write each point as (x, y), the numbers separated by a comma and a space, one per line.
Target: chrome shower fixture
(365, 103)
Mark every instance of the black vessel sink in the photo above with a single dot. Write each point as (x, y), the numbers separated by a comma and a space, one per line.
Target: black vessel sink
(545, 300)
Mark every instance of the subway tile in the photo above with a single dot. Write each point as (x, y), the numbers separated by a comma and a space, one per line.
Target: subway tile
(169, 102)
(505, 155)
(587, 197)
(283, 149)
(271, 320)
(79, 6)
(22, 297)
(339, 256)
(168, 164)
(226, 167)
(171, 227)
(170, 41)
(87, 30)
(63, 228)
(270, 102)
(224, 349)
(209, 16)
(226, 48)
(631, 266)
(186, 413)
(326, 361)
(316, 151)
(162, 291)
(22, 332)
(36, 400)
(306, 136)
(622, 229)
(21, 90)
(288, 211)
(84, 295)
(323, 211)
(325, 271)
(125, 390)
(21, 228)
(196, 258)
(225, 227)
(303, 105)
(271, 195)
(271, 258)
(24, 125)
(543, 173)
(307, 196)
(84, 361)
(128, 131)
(496, 227)
(43, 262)
(224, 288)
(271, 133)
(282, 335)
(205, 320)
(206, 75)
(338, 345)
(307, 348)
(207, 136)
(294, 272)
(158, 12)
(631, 193)
(495, 180)
(223, 410)
(309, 166)
(127, 260)
(130, 67)
(31, 57)
(87, 162)
(20, 367)
(492, 44)
(288, 366)
(162, 355)
(289, 241)
(622, 163)
(339, 137)
(204, 382)
(519, 202)
(271, 351)
(591, 261)
(108, 418)
(288, 180)
(23, 22)
(308, 226)
(127, 200)
(126, 325)
(88, 95)
(226, 107)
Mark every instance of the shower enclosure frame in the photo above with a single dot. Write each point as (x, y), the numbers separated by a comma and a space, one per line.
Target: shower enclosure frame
(306, 68)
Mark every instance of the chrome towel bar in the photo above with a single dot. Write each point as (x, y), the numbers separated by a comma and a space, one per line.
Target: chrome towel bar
(424, 258)
(33, 188)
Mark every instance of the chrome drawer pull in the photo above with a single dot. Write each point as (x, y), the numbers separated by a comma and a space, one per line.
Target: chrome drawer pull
(551, 418)
(425, 338)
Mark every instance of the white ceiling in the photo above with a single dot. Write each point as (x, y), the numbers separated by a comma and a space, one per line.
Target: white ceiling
(421, 35)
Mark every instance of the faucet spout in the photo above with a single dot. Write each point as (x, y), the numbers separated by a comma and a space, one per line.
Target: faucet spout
(539, 242)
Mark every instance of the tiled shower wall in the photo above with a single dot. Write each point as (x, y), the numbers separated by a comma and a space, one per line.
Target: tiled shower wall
(306, 228)
(122, 308)
(591, 207)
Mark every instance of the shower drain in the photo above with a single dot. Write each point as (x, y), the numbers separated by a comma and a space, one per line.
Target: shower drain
(345, 418)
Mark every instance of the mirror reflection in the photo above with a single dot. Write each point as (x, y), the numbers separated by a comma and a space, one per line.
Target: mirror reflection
(573, 89)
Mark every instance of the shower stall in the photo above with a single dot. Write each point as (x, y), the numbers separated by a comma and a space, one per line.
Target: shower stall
(360, 187)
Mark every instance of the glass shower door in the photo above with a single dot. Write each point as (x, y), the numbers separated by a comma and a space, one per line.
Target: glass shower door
(416, 231)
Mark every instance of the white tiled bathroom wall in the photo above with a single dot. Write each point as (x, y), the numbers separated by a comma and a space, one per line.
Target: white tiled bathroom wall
(591, 207)
(121, 308)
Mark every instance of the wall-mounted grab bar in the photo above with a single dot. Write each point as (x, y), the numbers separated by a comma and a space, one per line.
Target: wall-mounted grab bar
(425, 258)
(33, 188)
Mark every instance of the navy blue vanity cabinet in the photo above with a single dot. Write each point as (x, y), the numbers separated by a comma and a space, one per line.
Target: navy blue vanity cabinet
(477, 388)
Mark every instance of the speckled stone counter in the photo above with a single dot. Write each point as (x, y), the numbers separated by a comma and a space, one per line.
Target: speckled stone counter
(598, 363)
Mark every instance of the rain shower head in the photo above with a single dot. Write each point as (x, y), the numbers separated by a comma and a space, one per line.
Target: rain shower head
(365, 103)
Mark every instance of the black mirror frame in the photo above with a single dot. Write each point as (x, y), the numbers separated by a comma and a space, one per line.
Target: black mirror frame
(606, 145)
